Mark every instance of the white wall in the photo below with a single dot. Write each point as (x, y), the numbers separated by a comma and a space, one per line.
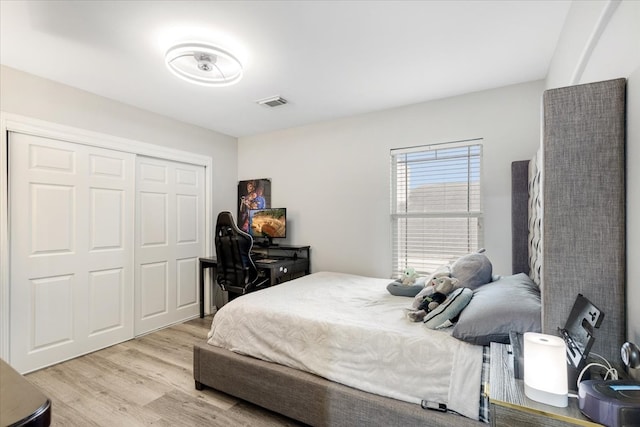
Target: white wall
(35, 97)
(601, 41)
(334, 177)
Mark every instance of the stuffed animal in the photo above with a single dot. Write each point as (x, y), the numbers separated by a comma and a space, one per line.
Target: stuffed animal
(409, 285)
(442, 287)
(427, 283)
(472, 270)
(409, 276)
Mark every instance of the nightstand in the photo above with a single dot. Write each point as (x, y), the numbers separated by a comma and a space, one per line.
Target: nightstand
(510, 406)
(21, 403)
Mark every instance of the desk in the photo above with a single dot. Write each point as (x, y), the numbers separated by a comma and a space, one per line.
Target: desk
(284, 252)
(206, 263)
(283, 270)
(290, 263)
(21, 403)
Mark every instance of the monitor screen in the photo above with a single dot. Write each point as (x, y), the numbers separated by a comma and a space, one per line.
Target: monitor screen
(270, 223)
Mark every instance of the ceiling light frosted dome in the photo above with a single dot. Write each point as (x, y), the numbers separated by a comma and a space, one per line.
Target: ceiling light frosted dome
(203, 64)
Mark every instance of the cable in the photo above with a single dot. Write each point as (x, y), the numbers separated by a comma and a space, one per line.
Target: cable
(608, 369)
(605, 360)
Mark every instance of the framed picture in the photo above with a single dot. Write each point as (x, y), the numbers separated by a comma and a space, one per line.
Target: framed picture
(252, 194)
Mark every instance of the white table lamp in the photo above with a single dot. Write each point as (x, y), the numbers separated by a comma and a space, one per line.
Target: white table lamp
(545, 369)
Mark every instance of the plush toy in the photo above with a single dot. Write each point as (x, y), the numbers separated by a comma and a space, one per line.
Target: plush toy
(442, 287)
(427, 283)
(409, 276)
(472, 270)
(408, 285)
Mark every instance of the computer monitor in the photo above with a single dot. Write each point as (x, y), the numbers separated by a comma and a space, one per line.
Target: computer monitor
(269, 223)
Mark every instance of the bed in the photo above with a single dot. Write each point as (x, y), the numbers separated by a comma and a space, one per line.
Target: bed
(561, 231)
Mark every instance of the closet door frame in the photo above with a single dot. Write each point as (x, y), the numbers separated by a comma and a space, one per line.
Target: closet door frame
(17, 123)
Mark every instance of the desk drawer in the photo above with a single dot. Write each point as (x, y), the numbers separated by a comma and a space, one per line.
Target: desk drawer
(289, 270)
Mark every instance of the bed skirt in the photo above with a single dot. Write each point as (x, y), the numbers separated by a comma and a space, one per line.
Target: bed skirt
(306, 397)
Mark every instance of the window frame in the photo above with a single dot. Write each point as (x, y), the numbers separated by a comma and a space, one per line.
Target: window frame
(400, 258)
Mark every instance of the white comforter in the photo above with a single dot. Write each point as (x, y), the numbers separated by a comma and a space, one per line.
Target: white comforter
(350, 330)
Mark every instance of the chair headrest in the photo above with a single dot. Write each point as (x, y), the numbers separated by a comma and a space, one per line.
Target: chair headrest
(225, 220)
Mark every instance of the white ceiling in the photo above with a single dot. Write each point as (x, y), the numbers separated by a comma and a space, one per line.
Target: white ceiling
(329, 59)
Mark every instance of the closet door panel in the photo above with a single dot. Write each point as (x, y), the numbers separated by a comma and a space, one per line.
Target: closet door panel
(71, 233)
(53, 311)
(153, 284)
(186, 276)
(170, 227)
(106, 300)
(187, 220)
(189, 234)
(52, 219)
(153, 207)
(110, 246)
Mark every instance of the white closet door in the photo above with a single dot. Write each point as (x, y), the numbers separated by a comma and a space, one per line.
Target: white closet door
(169, 240)
(72, 247)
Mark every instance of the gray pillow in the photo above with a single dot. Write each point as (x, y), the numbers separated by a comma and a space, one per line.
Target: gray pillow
(511, 303)
(398, 289)
(446, 314)
(472, 270)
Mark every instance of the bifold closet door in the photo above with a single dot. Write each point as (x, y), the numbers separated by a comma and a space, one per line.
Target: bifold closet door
(169, 239)
(72, 248)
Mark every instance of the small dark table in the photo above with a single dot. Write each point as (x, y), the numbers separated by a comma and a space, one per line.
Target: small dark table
(21, 403)
(206, 263)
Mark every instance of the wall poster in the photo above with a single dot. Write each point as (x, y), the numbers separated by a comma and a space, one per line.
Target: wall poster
(252, 194)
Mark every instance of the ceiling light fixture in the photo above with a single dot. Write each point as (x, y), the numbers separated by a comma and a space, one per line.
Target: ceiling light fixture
(203, 64)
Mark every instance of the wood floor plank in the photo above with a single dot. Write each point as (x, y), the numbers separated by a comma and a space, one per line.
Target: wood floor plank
(145, 381)
(115, 378)
(69, 416)
(157, 369)
(92, 394)
(168, 348)
(179, 408)
(59, 382)
(197, 330)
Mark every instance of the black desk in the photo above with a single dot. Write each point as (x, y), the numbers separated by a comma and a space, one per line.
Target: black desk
(206, 263)
(293, 252)
(21, 403)
(283, 270)
(292, 262)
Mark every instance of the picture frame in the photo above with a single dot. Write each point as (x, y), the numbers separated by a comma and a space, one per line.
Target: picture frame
(252, 194)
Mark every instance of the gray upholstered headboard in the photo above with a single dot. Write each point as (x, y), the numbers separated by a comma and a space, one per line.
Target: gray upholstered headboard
(519, 216)
(583, 204)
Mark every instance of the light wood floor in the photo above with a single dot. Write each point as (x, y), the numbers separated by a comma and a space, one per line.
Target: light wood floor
(144, 381)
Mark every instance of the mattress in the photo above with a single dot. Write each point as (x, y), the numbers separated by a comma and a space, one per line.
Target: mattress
(350, 330)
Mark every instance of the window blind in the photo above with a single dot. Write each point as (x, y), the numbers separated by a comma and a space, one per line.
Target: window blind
(436, 207)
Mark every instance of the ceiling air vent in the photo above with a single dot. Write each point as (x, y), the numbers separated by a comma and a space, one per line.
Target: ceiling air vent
(274, 101)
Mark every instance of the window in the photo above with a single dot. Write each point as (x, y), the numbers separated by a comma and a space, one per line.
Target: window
(436, 207)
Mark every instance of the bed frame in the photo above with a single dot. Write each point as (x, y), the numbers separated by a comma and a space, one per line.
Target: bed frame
(583, 234)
